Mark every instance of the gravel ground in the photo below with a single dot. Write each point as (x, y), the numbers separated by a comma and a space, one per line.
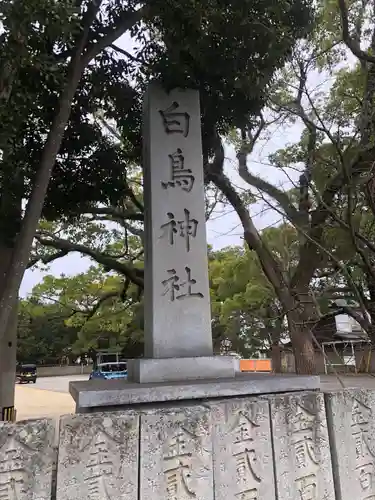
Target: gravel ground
(332, 383)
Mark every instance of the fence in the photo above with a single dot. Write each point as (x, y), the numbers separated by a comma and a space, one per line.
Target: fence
(309, 446)
(60, 371)
(255, 365)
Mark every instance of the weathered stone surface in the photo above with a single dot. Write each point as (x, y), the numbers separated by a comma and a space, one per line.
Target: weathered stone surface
(242, 450)
(98, 457)
(177, 299)
(176, 455)
(116, 393)
(351, 420)
(26, 458)
(301, 447)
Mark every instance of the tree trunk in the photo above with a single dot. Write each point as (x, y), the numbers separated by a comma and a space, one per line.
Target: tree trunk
(302, 315)
(371, 306)
(304, 353)
(8, 345)
(276, 358)
(302, 318)
(276, 348)
(297, 302)
(12, 278)
(302, 341)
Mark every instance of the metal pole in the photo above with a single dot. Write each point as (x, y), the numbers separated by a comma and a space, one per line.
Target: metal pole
(324, 358)
(353, 354)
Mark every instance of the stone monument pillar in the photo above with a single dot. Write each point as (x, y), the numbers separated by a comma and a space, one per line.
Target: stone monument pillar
(179, 363)
(178, 339)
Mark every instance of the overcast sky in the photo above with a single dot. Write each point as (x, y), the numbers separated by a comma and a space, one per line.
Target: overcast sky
(224, 229)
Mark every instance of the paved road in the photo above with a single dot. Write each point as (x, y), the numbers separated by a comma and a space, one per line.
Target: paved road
(49, 397)
(38, 403)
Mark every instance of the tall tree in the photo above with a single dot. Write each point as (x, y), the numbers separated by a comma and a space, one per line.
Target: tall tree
(46, 47)
(347, 173)
(50, 56)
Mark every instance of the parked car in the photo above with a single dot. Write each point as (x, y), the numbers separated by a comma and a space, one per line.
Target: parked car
(108, 371)
(26, 373)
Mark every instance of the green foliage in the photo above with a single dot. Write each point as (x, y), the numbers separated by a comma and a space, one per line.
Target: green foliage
(344, 105)
(250, 39)
(95, 306)
(244, 304)
(179, 43)
(43, 335)
(35, 48)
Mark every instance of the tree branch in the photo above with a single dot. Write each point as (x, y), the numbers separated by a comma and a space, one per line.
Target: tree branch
(125, 53)
(279, 196)
(128, 20)
(133, 274)
(359, 318)
(344, 268)
(114, 212)
(134, 230)
(106, 296)
(352, 44)
(249, 140)
(48, 259)
(214, 173)
(310, 255)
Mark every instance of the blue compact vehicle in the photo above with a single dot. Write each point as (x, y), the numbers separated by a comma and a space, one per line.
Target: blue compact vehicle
(109, 371)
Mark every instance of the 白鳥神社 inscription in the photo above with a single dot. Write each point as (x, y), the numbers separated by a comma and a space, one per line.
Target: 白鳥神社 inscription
(177, 299)
(177, 307)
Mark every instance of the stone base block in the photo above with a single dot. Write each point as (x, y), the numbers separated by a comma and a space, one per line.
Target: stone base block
(146, 371)
(111, 395)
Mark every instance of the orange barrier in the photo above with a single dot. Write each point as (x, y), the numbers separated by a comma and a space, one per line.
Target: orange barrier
(255, 365)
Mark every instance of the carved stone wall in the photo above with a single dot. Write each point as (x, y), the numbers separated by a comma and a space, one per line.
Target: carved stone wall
(98, 457)
(300, 446)
(352, 431)
(26, 460)
(176, 454)
(242, 450)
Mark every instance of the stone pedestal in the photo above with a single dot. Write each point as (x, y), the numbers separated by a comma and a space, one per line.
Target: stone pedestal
(277, 447)
(176, 369)
(110, 395)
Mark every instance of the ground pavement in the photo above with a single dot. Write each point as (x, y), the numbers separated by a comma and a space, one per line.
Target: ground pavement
(50, 397)
(35, 403)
